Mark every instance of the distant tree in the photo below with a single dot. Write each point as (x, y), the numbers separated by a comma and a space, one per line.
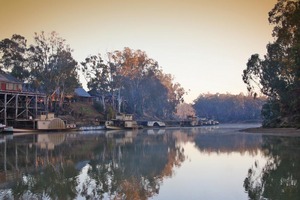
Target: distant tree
(13, 56)
(278, 74)
(53, 69)
(184, 109)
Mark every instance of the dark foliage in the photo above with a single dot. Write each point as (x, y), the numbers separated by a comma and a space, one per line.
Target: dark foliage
(278, 74)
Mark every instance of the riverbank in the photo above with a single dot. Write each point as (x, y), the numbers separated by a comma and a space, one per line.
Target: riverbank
(290, 132)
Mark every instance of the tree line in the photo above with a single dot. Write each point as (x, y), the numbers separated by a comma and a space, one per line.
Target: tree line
(124, 81)
(277, 74)
(229, 108)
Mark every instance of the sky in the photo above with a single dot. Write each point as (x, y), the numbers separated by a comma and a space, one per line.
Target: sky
(204, 44)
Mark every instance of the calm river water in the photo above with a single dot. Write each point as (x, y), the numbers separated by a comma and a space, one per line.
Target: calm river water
(217, 162)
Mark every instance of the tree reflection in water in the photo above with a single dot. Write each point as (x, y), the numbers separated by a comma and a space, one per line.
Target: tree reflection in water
(134, 171)
(55, 182)
(122, 165)
(280, 177)
(133, 165)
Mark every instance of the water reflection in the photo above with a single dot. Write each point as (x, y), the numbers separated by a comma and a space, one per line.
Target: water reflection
(116, 164)
(280, 176)
(134, 164)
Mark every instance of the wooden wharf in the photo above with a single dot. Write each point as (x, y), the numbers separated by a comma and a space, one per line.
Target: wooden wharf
(20, 107)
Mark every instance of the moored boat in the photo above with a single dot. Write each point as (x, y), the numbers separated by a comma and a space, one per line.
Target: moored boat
(47, 122)
(43, 122)
(122, 121)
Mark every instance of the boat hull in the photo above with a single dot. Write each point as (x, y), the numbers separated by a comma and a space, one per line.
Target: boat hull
(120, 125)
(111, 127)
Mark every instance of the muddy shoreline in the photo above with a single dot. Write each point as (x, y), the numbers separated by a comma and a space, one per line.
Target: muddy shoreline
(289, 132)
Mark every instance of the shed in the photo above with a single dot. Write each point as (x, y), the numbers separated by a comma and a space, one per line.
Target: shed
(82, 95)
(9, 83)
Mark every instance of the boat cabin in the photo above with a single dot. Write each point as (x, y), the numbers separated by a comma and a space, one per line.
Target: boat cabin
(124, 117)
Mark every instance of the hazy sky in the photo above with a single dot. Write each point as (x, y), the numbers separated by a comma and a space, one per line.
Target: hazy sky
(204, 44)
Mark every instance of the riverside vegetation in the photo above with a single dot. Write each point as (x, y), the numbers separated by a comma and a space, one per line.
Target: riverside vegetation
(277, 74)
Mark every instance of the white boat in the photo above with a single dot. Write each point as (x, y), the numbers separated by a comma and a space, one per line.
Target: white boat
(122, 121)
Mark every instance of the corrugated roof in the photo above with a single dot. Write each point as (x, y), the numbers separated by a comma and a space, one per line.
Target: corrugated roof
(81, 92)
(8, 78)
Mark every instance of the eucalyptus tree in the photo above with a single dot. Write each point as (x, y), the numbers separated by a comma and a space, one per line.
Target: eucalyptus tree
(145, 87)
(14, 57)
(98, 76)
(52, 67)
(154, 97)
(175, 93)
(131, 69)
(184, 110)
(277, 75)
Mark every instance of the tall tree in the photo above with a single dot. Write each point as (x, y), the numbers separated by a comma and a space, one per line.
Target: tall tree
(145, 86)
(278, 74)
(53, 69)
(99, 76)
(131, 67)
(13, 54)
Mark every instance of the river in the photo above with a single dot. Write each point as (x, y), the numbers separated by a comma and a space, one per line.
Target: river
(216, 162)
